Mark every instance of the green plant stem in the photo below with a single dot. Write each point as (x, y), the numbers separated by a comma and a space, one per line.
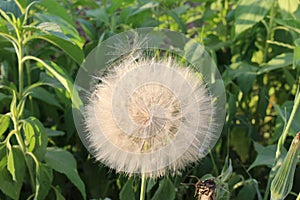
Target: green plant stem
(143, 187)
(215, 167)
(269, 31)
(281, 142)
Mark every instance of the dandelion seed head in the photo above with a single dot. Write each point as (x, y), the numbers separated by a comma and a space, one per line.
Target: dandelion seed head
(153, 114)
(147, 114)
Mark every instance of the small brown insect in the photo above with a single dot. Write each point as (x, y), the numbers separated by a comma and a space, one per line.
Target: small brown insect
(205, 190)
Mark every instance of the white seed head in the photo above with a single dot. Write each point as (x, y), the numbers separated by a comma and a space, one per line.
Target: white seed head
(150, 116)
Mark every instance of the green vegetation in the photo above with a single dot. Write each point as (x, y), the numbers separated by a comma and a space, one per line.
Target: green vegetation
(255, 43)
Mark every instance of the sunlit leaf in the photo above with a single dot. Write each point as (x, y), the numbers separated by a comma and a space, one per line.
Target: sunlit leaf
(36, 137)
(8, 186)
(4, 123)
(280, 61)
(249, 12)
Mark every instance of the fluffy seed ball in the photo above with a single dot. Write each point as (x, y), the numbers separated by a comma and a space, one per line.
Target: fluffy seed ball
(151, 117)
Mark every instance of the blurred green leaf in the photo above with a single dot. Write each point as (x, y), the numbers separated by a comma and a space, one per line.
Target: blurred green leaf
(44, 177)
(36, 137)
(240, 142)
(296, 60)
(63, 161)
(53, 7)
(4, 123)
(288, 7)
(127, 192)
(290, 23)
(58, 195)
(284, 112)
(166, 190)
(280, 61)
(7, 185)
(249, 12)
(43, 95)
(54, 133)
(248, 190)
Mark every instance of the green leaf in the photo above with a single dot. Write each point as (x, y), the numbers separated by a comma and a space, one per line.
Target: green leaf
(284, 112)
(248, 191)
(11, 162)
(8, 186)
(296, 59)
(280, 61)
(44, 177)
(127, 192)
(265, 155)
(36, 137)
(54, 133)
(288, 7)
(166, 190)
(240, 142)
(54, 8)
(61, 34)
(250, 12)
(48, 22)
(289, 23)
(10, 7)
(44, 95)
(58, 195)
(63, 161)
(4, 123)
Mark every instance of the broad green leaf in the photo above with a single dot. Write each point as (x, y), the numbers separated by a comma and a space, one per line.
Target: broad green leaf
(127, 191)
(36, 137)
(8, 186)
(250, 12)
(43, 95)
(265, 155)
(4, 123)
(280, 61)
(166, 190)
(44, 177)
(63, 161)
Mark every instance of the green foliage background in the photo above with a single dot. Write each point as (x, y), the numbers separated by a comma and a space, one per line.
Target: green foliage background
(255, 44)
